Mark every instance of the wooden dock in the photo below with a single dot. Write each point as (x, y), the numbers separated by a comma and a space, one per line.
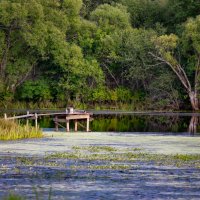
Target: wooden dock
(58, 118)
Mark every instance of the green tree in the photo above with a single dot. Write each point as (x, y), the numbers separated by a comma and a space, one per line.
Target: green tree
(111, 18)
(32, 34)
(145, 13)
(177, 12)
(35, 91)
(28, 35)
(90, 5)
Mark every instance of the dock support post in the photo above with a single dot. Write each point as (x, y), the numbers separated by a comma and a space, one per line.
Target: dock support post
(67, 125)
(75, 125)
(88, 124)
(36, 121)
(56, 123)
(27, 121)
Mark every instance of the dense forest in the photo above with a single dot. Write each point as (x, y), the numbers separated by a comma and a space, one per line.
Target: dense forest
(134, 54)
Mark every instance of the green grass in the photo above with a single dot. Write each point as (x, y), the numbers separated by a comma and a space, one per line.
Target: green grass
(10, 130)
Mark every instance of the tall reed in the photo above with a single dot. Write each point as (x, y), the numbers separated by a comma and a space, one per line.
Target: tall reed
(11, 130)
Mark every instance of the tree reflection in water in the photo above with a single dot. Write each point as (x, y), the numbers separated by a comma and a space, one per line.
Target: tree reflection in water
(164, 123)
(193, 124)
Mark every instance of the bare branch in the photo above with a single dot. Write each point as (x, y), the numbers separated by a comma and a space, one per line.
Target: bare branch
(178, 70)
(24, 78)
(111, 74)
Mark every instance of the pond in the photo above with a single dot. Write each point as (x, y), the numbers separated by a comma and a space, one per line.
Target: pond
(125, 156)
(87, 166)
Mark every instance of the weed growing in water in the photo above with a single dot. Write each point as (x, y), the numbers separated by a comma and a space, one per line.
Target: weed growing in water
(38, 195)
(10, 130)
(103, 153)
(95, 148)
(13, 197)
(32, 161)
(102, 167)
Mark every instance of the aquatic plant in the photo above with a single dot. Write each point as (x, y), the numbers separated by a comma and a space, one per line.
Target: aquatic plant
(13, 197)
(11, 130)
(95, 148)
(107, 153)
(102, 167)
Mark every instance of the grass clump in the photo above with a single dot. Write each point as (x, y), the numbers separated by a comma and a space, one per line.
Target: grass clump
(10, 130)
(187, 157)
(95, 156)
(95, 148)
(33, 161)
(64, 155)
(102, 167)
(13, 197)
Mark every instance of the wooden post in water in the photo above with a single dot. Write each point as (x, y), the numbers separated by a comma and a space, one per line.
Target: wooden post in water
(67, 125)
(75, 125)
(56, 123)
(88, 124)
(27, 121)
(36, 121)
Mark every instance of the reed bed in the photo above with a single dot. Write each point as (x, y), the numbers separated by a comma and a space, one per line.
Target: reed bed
(11, 130)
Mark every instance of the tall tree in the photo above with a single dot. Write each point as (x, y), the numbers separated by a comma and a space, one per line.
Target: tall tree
(189, 43)
(33, 32)
(176, 12)
(145, 13)
(29, 31)
(110, 20)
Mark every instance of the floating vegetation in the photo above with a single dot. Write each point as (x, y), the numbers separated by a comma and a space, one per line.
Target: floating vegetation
(124, 156)
(95, 148)
(101, 167)
(33, 161)
(103, 153)
(10, 130)
(108, 158)
(135, 149)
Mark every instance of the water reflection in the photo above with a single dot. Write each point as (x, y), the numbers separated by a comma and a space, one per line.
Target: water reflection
(138, 123)
(193, 126)
(166, 123)
(175, 124)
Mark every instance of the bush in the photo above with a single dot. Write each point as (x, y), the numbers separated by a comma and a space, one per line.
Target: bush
(35, 91)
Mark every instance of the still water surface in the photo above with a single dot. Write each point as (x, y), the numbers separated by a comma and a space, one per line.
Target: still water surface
(108, 121)
(186, 125)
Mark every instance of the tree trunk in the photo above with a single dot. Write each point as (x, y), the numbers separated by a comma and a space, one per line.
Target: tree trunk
(194, 100)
